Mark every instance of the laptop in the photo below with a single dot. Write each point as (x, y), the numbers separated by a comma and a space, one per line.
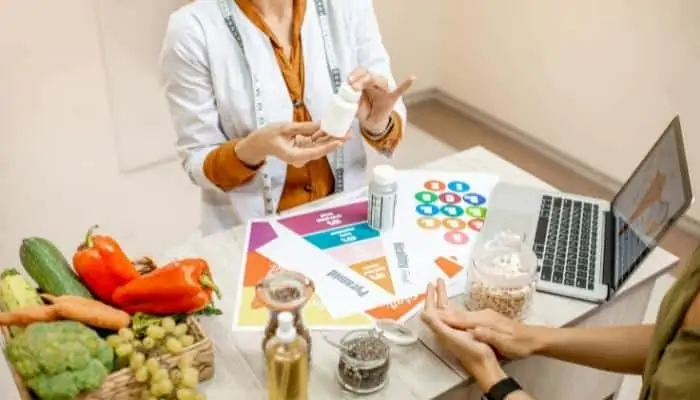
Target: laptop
(588, 247)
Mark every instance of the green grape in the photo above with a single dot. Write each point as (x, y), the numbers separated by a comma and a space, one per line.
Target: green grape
(190, 378)
(126, 334)
(155, 331)
(124, 350)
(180, 330)
(149, 343)
(160, 375)
(146, 394)
(114, 341)
(185, 362)
(173, 346)
(141, 374)
(187, 340)
(185, 394)
(165, 387)
(176, 376)
(168, 324)
(137, 360)
(153, 366)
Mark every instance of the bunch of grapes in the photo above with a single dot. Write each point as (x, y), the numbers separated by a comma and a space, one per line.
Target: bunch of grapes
(139, 354)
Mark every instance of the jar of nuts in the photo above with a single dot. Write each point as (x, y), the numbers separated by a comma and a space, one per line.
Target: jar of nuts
(502, 277)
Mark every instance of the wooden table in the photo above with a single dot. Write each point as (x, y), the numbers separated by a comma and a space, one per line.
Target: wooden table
(421, 371)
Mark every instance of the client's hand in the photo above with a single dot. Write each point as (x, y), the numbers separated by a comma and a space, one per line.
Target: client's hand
(510, 338)
(281, 140)
(477, 358)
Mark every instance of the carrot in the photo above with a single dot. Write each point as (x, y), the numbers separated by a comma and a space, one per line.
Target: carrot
(29, 315)
(90, 312)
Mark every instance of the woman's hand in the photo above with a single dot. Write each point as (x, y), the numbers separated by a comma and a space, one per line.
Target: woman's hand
(377, 101)
(510, 338)
(477, 358)
(294, 143)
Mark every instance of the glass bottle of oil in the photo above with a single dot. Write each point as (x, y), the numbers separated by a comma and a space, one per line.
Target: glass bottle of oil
(287, 362)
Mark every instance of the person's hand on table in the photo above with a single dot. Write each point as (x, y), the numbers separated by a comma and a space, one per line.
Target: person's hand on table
(511, 339)
(295, 143)
(377, 101)
(477, 358)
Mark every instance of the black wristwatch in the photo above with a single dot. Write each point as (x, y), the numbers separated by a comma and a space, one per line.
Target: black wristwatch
(502, 389)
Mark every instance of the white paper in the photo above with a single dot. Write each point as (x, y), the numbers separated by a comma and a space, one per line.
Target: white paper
(343, 291)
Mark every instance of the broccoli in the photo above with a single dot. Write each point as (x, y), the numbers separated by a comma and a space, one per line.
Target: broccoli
(59, 360)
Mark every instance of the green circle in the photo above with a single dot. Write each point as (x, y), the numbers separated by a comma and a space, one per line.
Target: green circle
(426, 197)
(476, 211)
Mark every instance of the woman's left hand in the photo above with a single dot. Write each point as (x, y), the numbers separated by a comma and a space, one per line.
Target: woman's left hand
(476, 357)
(377, 101)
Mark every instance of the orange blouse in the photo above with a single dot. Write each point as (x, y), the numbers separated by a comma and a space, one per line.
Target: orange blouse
(314, 180)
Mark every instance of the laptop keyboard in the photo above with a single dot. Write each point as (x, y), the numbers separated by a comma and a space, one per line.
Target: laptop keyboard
(565, 242)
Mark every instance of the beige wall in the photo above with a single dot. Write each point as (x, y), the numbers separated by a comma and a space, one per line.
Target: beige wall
(410, 31)
(596, 79)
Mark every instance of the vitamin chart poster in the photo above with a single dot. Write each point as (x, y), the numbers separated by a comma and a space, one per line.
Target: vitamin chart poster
(440, 215)
(342, 233)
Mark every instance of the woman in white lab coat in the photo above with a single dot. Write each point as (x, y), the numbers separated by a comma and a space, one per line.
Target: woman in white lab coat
(244, 81)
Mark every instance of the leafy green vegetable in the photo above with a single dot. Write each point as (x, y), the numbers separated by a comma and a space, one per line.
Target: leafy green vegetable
(59, 360)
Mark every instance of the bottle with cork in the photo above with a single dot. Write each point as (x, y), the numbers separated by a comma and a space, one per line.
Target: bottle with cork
(287, 362)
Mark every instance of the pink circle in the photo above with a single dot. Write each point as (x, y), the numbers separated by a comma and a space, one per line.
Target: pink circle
(450, 198)
(435, 186)
(456, 237)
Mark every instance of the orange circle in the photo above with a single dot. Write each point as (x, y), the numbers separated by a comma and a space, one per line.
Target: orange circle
(435, 186)
(429, 223)
(454, 224)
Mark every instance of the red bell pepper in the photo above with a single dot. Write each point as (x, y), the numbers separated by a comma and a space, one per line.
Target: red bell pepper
(181, 287)
(102, 265)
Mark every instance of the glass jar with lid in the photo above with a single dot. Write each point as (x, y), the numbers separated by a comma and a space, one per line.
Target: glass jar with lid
(365, 356)
(285, 291)
(502, 276)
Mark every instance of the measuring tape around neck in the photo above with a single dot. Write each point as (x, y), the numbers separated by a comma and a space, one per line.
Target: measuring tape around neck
(260, 121)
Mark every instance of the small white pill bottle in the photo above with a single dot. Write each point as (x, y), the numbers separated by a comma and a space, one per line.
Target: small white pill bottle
(341, 111)
(383, 193)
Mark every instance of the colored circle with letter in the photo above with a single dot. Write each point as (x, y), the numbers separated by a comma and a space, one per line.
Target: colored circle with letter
(454, 224)
(456, 237)
(452, 210)
(450, 198)
(426, 197)
(476, 224)
(476, 211)
(474, 199)
(428, 223)
(428, 210)
(435, 186)
(458, 186)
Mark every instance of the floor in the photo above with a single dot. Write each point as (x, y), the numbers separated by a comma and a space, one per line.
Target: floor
(452, 128)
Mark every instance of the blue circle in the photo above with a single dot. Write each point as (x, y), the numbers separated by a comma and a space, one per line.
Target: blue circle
(452, 211)
(459, 186)
(474, 199)
(428, 210)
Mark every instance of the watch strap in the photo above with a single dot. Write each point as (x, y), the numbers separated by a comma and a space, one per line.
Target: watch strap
(503, 388)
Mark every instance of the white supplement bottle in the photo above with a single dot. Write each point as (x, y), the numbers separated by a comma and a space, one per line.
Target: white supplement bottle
(341, 111)
(383, 191)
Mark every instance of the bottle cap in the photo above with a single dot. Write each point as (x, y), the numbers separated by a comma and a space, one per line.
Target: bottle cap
(395, 332)
(348, 93)
(384, 174)
(286, 332)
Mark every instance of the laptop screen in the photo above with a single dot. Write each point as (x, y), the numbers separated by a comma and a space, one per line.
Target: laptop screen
(655, 196)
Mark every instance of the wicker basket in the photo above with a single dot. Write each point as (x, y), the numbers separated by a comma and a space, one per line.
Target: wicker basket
(121, 384)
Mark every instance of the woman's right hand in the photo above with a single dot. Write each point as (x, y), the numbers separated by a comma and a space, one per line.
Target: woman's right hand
(511, 339)
(278, 139)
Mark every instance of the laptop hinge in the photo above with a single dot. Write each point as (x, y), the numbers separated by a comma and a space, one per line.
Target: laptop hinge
(609, 251)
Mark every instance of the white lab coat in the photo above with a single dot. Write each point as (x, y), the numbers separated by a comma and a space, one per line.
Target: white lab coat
(208, 88)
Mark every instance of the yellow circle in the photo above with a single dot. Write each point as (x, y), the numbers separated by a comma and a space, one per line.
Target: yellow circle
(429, 223)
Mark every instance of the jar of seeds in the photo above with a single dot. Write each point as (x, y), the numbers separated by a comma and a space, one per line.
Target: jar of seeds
(285, 291)
(365, 358)
(502, 277)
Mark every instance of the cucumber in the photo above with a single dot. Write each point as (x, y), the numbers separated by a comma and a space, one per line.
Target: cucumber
(16, 293)
(49, 268)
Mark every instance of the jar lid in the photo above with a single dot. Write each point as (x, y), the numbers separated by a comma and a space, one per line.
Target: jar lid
(395, 332)
(284, 290)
